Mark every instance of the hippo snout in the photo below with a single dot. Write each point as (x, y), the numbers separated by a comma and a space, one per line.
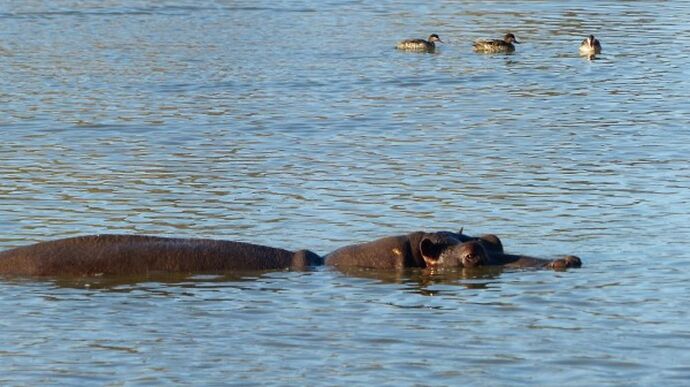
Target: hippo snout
(566, 262)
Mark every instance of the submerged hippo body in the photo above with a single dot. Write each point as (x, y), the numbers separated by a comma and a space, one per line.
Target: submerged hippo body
(437, 250)
(136, 254)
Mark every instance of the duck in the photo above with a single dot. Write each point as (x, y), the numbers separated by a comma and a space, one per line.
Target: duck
(419, 44)
(590, 46)
(496, 45)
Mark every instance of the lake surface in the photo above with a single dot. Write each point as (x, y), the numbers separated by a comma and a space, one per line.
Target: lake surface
(297, 125)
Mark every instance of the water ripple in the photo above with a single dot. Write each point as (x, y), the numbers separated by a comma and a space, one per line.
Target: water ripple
(299, 126)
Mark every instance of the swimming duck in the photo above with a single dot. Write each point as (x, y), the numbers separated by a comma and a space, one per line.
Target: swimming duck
(419, 44)
(496, 45)
(590, 46)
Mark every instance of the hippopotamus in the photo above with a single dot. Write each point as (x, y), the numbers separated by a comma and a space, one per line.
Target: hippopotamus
(95, 255)
(443, 249)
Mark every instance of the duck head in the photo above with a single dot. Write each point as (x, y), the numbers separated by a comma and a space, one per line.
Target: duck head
(510, 38)
(434, 38)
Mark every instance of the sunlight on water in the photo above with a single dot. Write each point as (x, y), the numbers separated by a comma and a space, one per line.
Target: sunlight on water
(297, 125)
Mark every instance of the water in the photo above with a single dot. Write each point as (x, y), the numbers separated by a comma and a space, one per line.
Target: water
(296, 125)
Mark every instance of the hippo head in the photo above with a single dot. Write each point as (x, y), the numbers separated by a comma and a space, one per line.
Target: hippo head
(443, 250)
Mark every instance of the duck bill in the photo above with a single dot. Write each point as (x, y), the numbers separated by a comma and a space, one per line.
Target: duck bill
(516, 42)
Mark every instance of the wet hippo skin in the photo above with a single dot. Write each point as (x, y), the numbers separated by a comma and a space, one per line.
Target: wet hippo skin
(437, 249)
(136, 254)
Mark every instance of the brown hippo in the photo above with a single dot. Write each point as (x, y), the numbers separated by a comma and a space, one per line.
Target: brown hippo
(442, 249)
(135, 254)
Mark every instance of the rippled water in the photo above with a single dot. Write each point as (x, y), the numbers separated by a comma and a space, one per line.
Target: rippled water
(295, 124)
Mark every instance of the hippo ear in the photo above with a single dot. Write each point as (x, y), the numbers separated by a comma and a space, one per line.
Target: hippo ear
(431, 250)
(491, 243)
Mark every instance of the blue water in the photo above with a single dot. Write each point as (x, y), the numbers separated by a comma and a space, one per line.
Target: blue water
(297, 125)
